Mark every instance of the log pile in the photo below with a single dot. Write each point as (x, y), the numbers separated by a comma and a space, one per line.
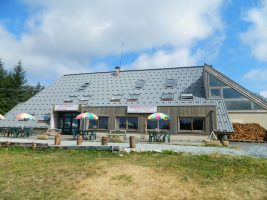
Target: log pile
(249, 132)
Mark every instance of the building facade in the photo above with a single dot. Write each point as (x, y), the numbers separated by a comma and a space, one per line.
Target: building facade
(199, 99)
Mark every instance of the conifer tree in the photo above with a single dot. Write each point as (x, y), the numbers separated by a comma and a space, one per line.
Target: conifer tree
(3, 74)
(18, 76)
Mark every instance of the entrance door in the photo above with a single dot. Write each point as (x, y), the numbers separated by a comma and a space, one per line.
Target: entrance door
(67, 123)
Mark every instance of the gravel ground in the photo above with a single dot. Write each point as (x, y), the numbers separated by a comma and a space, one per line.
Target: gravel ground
(239, 149)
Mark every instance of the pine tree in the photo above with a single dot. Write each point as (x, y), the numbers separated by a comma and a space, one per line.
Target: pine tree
(18, 76)
(3, 74)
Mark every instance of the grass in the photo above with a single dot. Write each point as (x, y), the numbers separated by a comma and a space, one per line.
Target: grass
(72, 174)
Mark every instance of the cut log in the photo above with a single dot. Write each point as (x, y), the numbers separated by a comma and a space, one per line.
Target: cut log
(104, 140)
(132, 142)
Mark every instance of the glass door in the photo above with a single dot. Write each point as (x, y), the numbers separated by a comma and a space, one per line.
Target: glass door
(67, 123)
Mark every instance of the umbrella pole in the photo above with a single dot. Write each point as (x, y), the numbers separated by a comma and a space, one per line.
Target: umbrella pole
(158, 125)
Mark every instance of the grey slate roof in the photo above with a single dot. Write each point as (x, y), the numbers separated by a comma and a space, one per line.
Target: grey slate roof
(103, 85)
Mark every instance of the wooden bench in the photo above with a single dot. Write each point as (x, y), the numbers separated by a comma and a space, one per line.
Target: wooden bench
(53, 131)
(117, 134)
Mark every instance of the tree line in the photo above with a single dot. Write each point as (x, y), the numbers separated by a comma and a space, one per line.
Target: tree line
(14, 88)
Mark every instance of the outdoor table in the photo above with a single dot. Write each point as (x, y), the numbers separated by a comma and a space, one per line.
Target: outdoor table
(155, 136)
(88, 134)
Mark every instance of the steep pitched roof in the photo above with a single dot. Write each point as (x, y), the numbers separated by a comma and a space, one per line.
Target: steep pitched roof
(97, 89)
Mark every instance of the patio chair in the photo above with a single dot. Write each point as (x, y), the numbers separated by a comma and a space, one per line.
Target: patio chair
(152, 136)
(167, 136)
(92, 135)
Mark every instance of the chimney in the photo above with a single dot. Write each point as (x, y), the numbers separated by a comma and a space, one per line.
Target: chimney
(117, 70)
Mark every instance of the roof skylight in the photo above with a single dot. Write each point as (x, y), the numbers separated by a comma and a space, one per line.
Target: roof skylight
(83, 86)
(187, 96)
(167, 97)
(116, 97)
(170, 83)
(133, 97)
(140, 84)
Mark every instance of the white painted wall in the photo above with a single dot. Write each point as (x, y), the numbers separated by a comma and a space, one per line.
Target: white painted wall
(249, 117)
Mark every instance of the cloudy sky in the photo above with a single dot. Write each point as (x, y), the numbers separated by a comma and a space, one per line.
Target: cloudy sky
(53, 38)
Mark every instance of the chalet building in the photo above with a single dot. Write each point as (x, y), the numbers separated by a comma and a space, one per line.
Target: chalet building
(199, 99)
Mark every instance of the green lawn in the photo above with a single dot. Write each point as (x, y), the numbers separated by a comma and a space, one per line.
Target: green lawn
(73, 174)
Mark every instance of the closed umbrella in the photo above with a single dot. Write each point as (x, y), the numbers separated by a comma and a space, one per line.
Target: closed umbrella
(158, 117)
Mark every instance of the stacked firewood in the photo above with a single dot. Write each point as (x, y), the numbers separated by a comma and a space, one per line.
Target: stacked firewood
(250, 131)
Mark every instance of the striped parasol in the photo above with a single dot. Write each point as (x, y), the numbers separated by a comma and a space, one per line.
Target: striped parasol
(24, 117)
(1, 117)
(158, 116)
(87, 115)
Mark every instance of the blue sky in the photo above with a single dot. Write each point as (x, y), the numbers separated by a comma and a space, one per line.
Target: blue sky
(53, 38)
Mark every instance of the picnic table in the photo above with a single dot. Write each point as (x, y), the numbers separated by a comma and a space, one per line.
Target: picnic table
(15, 132)
(159, 136)
(88, 134)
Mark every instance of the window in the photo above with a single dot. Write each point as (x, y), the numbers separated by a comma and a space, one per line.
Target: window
(257, 107)
(163, 124)
(132, 123)
(116, 97)
(215, 93)
(127, 123)
(187, 96)
(229, 93)
(214, 81)
(191, 124)
(133, 97)
(140, 84)
(170, 83)
(238, 105)
(167, 97)
(101, 123)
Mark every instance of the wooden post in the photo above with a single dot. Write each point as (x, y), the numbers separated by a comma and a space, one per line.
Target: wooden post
(132, 142)
(79, 140)
(104, 140)
(33, 146)
(58, 139)
(5, 144)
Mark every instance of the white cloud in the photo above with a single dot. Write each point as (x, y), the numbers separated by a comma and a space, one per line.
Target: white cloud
(256, 75)
(264, 94)
(161, 58)
(256, 35)
(67, 35)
